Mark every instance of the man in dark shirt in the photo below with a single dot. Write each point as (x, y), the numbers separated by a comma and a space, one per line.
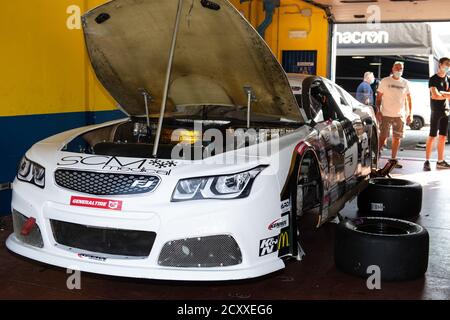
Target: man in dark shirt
(439, 91)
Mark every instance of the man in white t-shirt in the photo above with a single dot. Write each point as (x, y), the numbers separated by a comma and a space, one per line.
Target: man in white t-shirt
(394, 108)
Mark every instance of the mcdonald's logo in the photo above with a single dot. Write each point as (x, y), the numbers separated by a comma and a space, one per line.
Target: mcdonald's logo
(283, 240)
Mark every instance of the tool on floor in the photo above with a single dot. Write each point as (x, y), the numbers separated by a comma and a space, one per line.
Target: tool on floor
(386, 170)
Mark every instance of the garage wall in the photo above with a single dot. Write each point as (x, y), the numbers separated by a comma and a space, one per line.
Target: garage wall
(287, 18)
(48, 85)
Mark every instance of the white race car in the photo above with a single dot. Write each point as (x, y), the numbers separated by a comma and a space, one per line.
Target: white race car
(206, 177)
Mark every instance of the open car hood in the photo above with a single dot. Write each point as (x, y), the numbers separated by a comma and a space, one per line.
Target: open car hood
(217, 54)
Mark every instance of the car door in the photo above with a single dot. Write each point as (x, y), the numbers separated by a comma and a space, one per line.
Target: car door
(354, 133)
(329, 141)
(351, 109)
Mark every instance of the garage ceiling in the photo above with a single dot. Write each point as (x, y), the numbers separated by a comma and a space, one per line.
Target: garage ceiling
(391, 10)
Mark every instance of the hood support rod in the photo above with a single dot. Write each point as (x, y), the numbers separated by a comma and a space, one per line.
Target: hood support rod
(251, 97)
(147, 98)
(166, 84)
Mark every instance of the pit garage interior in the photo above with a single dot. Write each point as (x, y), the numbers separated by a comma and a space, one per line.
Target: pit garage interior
(49, 86)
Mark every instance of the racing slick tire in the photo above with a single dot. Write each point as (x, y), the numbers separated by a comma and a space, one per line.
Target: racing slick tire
(391, 198)
(399, 248)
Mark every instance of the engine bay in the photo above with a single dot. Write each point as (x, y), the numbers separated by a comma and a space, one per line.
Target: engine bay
(186, 139)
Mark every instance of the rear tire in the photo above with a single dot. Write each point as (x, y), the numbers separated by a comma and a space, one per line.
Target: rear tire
(417, 123)
(392, 198)
(399, 248)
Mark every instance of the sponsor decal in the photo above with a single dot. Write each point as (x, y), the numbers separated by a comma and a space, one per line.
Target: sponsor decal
(283, 240)
(377, 207)
(280, 223)
(268, 246)
(92, 257)
(285, 206)
(301, 147)
(98, 203)
(351, 162)
(142, 184)
(274, 244)
(162, 167)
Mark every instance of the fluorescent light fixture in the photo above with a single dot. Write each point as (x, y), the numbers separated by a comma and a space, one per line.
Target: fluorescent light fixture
(358, 57)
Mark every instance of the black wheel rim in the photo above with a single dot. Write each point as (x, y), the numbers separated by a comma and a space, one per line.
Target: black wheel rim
(416, 124)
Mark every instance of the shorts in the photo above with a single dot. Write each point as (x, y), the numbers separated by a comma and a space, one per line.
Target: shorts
(397, 124)
(438, 121)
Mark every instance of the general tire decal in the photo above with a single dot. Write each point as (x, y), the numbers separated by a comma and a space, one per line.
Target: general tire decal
(98, 203)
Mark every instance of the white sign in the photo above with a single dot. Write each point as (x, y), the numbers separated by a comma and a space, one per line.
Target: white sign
(298, 34)
(372, 37)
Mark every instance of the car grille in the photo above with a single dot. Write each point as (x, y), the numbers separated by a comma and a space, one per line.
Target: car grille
(201, 252)
(120, 242)
(98, 183)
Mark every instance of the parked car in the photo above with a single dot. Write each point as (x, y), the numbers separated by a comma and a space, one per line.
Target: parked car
(420, 94)
(115, 199)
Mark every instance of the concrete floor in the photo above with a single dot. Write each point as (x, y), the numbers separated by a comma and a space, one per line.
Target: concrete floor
(413, 145)
(315, 277)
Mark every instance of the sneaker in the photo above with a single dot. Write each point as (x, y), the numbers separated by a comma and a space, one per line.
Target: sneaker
(442, 165)
(426, 166)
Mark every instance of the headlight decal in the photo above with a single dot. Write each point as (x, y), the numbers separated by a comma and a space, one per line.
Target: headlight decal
(231, 186)
(31, 172)
(188, 188)
(24, 167)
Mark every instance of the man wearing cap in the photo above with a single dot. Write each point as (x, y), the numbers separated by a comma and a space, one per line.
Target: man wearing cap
(394, 108)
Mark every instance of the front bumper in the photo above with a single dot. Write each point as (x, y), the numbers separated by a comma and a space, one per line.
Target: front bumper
(140, 269)
(246, 220)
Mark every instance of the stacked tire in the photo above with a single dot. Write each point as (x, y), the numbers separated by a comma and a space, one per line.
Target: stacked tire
(380, 238)
(391, 198)
(399, 248)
